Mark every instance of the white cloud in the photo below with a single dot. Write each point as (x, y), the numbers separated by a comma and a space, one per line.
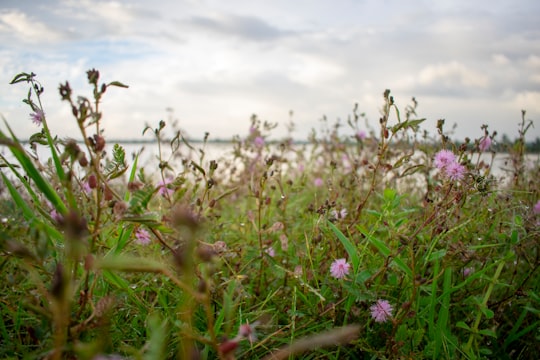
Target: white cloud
(451, 74)
(27, 29)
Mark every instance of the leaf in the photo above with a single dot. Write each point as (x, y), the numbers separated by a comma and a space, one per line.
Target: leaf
(488, 332)
(487, 312)
(117, 167)
(118, 84)
(463, 325)
(385, 251)
(22, 77)
(348, 245)
(42, 184)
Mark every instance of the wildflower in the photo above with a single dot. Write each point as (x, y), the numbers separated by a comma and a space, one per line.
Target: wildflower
(381, 311)
(86, 187)
(467, 271)
(284, 242)
(361, 135)
(163, 189)
(318, 182)
(536, 208)
(270, 251)
(340, 268)
(455, 171)
(56, 216)
(444, 158)
(298, 270)
(339, 214)
(142, 237)
(37, 116)
(485, 143)
(259, 141)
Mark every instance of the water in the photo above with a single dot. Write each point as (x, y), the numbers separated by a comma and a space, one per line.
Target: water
(149, 159)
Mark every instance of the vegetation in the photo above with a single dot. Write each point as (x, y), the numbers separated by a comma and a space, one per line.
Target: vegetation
(376, 245)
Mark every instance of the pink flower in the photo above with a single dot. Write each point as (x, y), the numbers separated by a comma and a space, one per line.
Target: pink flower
(86, 187)
(361, 135)
(318, 182)
(443, 158)
(142, 237)
(467, 271)
(56, 216)
(340, 268)
(270, 251)
(455, 171)
(37, 116)
(339, 214)
(536, 208)
(485, 143)
(163, 189)
(259, 141)
(381, 311)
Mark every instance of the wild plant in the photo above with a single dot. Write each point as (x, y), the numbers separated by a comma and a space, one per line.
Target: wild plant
(362, 243)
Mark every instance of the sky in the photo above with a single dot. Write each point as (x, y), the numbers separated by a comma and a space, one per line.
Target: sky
(215, 63)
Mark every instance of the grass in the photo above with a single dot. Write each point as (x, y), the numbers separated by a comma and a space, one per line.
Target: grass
(235, 257)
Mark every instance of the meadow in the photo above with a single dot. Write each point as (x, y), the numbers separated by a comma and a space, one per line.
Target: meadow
(364, 243)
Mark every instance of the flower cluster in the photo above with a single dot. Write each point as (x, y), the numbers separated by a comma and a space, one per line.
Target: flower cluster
(446, 161)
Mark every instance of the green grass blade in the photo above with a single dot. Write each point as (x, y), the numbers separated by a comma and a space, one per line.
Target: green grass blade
(348, 245)
(42, 184)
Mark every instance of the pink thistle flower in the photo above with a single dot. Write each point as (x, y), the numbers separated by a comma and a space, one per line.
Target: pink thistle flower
(340, 268)
(361, 135)
(142, 237)
(485, 143)
(536, 208)
(163, 188)
(270, 251)
(455, 171)
(381, 311)
(37, 116)
(318, 182)
(444, 158)
(259, 141)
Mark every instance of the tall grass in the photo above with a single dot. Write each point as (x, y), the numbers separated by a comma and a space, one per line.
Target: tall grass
(368, 243)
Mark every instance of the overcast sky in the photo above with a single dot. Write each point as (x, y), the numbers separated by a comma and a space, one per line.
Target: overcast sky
(217, 62)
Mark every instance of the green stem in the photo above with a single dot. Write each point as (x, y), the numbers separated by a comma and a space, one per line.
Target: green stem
(474, 329)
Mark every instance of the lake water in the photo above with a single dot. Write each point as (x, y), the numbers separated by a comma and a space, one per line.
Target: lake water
(148, 157)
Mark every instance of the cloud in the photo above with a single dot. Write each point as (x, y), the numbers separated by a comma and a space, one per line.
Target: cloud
(244, 27)
(451, 75)
(27, 29)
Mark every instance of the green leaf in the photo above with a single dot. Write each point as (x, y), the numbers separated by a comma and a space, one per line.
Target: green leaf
(117, 167)
(487, 312)
(385, 251)
(348, 245)
(22, 77)
(463, 325)
(118, 84)
(488, 332)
